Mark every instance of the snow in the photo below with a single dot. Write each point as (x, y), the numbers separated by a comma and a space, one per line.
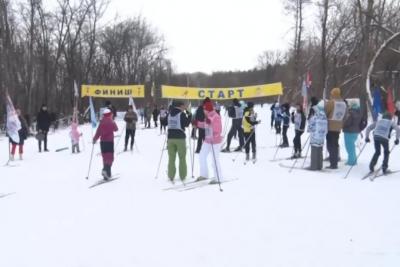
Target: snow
(268, 217)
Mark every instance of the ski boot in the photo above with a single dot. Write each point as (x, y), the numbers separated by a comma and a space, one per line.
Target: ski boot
(200, 178)
(225, 150)
(238, 149)
(247, 156)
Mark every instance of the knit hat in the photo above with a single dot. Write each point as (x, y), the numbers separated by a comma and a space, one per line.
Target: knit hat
(208, 106)
(106, 111)
(177, 103)
(336, 93)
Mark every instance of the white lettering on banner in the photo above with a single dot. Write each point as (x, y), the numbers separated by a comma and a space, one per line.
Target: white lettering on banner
(339, 111)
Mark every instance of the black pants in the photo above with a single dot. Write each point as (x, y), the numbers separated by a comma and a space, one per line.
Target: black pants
(44, 140)
(155, 118)
(285, 140)
(147, 123)
(236, 127)
(250, 138)
(163, 125)
(332, 143)
(272, 119)
(297, 141)
(200, 139)
(278, 127)
(130, 133)
(385, 144)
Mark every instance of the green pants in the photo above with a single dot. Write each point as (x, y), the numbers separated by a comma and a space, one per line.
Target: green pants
(177, 146)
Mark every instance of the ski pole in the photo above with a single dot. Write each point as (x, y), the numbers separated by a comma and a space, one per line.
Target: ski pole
(351, 167)
(190, 150)
(244, 145)
(216, 168)
(305, 157)
(119, 138)
(277, 149)
(162, 152)
(90, 162)
(9, 156)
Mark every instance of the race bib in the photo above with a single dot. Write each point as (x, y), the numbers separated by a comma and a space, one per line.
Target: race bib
(339, 111)
(209, 132)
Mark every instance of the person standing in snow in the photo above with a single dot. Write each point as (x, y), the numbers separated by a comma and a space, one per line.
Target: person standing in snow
(130, 118)
(23, 135)
(75, 136)
(43, 121)
(318, 128)
(351, 130)
(212, 143)
(278, 118)
(285, 115)
(147, 115)
(382, 129)
(335, 110)
(273, 113)
(163, 119)
(178, 120)
(199, 121)
(299, 121)
(236, 113)
(105, 132)
(249, 122)
(155, 115)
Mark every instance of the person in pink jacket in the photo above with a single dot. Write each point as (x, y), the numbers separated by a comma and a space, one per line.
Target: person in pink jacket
(212, 144)
(75, 135)
(105, 132)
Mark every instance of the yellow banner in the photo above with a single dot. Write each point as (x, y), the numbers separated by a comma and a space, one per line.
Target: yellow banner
(222, 93)
(112, 91)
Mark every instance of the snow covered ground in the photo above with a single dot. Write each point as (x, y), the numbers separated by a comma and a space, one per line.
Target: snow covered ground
(268, 217)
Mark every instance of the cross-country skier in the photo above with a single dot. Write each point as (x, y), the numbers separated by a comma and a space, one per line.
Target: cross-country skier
(199, 121)
(278, 118)
(382, 129)
(318, 128)
(236, 113)
(249, 122)
(299, 121)
(163, 119)
(285, 115)
(75, 136)
(212, 143)
(131, 119)
(351, 130)
(105, 132)
(178, 120)
(23, 135)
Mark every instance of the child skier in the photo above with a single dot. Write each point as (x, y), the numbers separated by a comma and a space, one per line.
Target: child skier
(382, 129)
(318, 128)
(285, 115)
(212, 143)
(105, 132)
(75, 136)
(299, 120)
(249, 123)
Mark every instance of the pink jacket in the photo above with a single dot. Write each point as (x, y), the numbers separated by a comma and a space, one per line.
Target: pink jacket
(214, 128)
(75, 134)
(106, 130)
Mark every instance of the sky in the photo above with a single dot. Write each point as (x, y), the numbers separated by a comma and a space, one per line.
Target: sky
(211, 35)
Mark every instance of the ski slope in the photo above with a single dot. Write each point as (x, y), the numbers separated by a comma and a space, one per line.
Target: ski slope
(268, 217)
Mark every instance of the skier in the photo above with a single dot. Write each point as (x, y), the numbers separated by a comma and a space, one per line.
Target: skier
(314, 101)
(335, 110)
(199, 121)
(351, 130)
(278, 118)
(155, 115)
(23, 135)
(299, 121)
(236, 113)
(178, 120)
(285, 115)
(75, 136)
(382, 129)
(105, 132)
(212, 143)
(273, 113)
(318, 128)
(163, 119)
(249, 123)
(147, 115)
(43, 126)
(131, 119)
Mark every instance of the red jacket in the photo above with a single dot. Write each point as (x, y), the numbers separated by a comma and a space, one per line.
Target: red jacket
(106, 130)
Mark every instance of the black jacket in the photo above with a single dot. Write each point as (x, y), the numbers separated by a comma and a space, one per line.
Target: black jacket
(200, 116)
(185, 121)
(43, 120)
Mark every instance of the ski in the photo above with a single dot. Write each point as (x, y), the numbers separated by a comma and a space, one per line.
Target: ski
(282, 159)
(184, 184)
(383, 174)
(6, 195)
(203, 184)
(104, 181)
(300, 168)
(367, 175)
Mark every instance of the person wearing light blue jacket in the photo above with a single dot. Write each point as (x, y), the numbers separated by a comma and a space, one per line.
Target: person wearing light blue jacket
(318, 128)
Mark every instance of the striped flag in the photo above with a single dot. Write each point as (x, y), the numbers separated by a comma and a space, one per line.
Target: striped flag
(13, 123)
(92, 113)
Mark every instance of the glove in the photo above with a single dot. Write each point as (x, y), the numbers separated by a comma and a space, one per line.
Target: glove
(367, 140)
(396, 142)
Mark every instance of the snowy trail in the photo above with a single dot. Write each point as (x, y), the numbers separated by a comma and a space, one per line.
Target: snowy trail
(269, 217)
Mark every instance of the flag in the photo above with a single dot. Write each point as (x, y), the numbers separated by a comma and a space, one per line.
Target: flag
(390, 102)
(13, 123)
(132, 103)
(304, 94)
(92, 113)
(377, 103)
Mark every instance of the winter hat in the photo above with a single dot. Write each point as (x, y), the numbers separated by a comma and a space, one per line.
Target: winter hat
(336, 93)
(314, 101)
(208, 106)
(107, 112)
(321, 105)
(250, 104)
(177, 103)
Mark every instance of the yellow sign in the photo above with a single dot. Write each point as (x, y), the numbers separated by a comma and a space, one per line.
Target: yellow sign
(113, 91)
(222, 93)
